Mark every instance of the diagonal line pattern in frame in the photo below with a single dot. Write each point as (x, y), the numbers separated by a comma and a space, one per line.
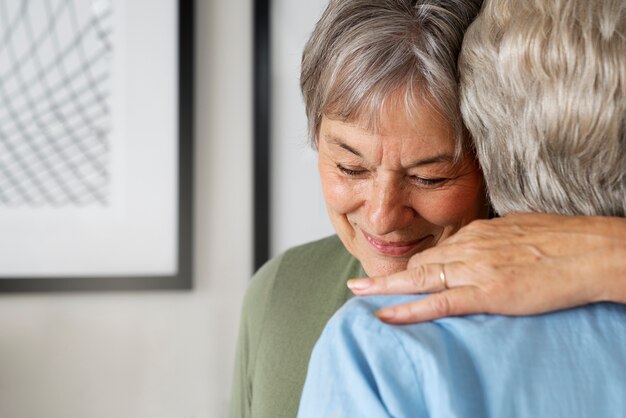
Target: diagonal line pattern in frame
(54, 133)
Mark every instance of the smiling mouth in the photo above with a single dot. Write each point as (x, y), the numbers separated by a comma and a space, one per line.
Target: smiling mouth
(397, 248)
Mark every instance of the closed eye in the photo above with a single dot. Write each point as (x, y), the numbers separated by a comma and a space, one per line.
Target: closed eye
(427, 181)
(350, 172)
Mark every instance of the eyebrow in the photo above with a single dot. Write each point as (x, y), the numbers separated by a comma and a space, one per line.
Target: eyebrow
(345, 146)
(440, 158)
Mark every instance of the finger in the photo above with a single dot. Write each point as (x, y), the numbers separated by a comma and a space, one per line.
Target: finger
(423, 279)
(443, 254)
(454, 302)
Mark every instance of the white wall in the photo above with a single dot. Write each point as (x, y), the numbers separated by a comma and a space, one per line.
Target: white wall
(298, 211)
(154, 354)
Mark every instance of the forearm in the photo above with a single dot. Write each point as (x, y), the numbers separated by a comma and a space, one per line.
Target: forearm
(520, 264)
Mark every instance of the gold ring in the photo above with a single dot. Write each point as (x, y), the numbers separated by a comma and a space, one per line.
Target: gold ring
(442, 277)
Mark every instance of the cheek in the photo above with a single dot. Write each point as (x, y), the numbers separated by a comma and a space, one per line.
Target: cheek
(455, 206)
(341, 195)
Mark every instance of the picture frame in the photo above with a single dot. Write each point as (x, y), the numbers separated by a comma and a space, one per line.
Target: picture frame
(127, 226)
(289, 206)
(262, 145)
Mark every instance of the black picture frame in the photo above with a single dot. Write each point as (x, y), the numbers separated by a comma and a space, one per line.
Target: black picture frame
(182, 279)
(261, 123)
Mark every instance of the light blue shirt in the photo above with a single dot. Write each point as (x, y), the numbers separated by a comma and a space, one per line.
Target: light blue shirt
(565, 364)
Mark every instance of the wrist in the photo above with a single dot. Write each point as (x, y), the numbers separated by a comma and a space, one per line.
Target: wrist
(608, 271)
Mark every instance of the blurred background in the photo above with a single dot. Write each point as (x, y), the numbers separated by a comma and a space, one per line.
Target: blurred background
(152, 354)
(298, 213)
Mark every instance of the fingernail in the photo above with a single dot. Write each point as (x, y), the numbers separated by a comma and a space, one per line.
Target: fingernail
(359, 284)
(386, 314)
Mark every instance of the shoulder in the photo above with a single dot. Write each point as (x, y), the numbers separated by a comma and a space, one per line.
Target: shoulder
(356, 326)
(360, 311)
(296, 262)
(479, 335)
(310, 255)
(287, 304)
(295, 267)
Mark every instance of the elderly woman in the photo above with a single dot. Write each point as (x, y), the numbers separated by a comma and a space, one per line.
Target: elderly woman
(398, 172)
(543, 90)
(398, 176)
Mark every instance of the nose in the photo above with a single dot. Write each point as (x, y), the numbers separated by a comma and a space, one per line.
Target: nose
(388, 208)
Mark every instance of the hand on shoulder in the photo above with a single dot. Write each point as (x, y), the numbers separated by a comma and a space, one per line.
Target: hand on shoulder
(520, 264)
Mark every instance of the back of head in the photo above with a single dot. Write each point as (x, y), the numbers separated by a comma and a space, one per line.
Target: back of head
(543, 92)
(361, 52)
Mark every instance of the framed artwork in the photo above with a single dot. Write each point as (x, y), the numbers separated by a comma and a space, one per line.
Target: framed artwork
(96, 121)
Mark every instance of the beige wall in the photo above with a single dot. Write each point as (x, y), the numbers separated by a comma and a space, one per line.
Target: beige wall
(154, 354)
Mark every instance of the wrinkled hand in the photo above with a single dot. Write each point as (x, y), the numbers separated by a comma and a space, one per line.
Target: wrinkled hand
(520, 264)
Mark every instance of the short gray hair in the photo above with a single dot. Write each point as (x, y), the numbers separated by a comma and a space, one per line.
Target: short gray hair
(363, 51)
(543, 93)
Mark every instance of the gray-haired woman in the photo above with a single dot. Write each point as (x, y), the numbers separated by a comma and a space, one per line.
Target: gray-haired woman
(398, 172)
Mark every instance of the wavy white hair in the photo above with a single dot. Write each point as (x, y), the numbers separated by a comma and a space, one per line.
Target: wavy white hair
(543, 93)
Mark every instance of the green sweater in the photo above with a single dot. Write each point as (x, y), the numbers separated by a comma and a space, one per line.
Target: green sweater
(286, 306)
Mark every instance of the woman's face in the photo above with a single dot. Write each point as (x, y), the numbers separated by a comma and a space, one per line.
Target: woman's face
(396, 192)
